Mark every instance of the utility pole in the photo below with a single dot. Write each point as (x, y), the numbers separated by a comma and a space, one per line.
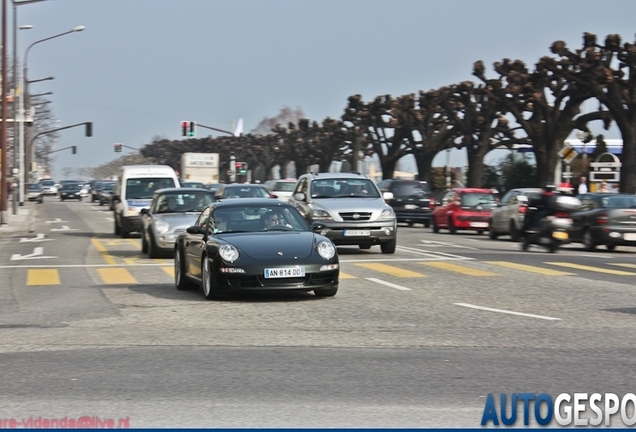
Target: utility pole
(3, 114)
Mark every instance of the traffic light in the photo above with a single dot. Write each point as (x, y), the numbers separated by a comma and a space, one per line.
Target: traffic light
(118, 147)
(74, 149)
(188, 128)
(241, 168)
(89, 129)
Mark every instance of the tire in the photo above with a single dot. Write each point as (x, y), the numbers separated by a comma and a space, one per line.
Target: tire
(610, 246)
(588, 243)
(492, 233)
(61, 199)
(514, 232)
(524, 244)
(451, 226)
(411, 223)
(153, 250)
(435, 227)
(364, 246)
(117, 227)
(327, 292)
(144, 243)
(181, 281)
(81, 199)
(208, 290)
(101, 203)
(41, 200)
(124, 229)
(389, 247)
(427, 223)
(553, 246)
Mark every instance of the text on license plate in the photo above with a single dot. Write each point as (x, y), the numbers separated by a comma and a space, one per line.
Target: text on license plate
(410, 206)
(479, 224)
(348, 233)
(284, 272)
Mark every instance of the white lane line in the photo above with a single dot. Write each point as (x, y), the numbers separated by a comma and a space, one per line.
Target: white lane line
(432, 254)
(507, 312)
(432, 243)
(109, 219)
(389, 284)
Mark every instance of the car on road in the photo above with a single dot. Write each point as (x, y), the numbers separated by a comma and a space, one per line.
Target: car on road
(283, 189)
(71, 190)
(193, 185)
(172, 211)
(464, 209)
(604, 219)
(240, 190)
(507, 217)
(255, 245)
(48, 187)
(34, 192)
(104, 193)
(412, 201)
(351, 206)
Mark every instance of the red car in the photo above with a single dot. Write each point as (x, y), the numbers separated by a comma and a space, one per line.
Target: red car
(464, 209)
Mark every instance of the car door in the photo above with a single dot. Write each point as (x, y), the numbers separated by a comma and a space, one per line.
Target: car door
(195, 244)
(500, 214)
(440, 214)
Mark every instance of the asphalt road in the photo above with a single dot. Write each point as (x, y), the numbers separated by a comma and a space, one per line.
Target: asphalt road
(90, 327)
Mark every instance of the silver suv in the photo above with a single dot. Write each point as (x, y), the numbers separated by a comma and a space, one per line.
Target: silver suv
(351, 206)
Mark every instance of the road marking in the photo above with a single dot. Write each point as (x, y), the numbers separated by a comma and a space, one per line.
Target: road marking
(592, 269)
(57, 220)
(459, 269)
(37, 238)
(389, 284)
(116, 276)
(102, 250)
(43, 277)
(438, 255)
(37, 254)
(393, 271)
(529, 268)
(65, 228)
(466, 305)
(346, 276)
(624, 265)
(168, 270)
(433, 243)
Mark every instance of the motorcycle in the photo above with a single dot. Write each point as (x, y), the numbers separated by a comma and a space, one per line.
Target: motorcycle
(552, 231)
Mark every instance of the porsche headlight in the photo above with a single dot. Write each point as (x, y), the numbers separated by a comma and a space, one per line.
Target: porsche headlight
(229, 253)
(320, 215)
(326, 249)
(387, 214)
(161, 226)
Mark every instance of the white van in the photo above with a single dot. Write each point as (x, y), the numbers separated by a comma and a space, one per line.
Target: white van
(136, 185)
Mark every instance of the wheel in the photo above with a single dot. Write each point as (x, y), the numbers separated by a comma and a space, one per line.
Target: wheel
(124, 229)
(514, 232)
(153, 250)
(364, 246)
(41, 200)
(451, 226)
(427, 223)
(206, 281)
(181, 281)
(117, 227)
(480, 232)
(524, 244)
(588, 243)
(492, 233)
(61, 199)
(327, 292)
(553, 246)
(610, 246)
(389, 247)
(411, 223)
(144, 244)
(81, 199)
(435, 227)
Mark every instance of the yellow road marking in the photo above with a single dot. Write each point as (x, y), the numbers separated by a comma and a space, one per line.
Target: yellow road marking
(593, 269)
(102, 249)
(116, 276)
(134, 242)
(43, 277)
(459, 269)
(393, 271)
(624, 265)
(528, 268)
(169, 270)
(346, 276)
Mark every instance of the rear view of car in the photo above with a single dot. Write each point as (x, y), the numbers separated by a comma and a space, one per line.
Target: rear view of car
(34, 192)
(508, 216)
(411, 200)
(283, 189)
(464, 209)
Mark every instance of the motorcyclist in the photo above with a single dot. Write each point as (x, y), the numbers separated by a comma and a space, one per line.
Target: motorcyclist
(544, 207)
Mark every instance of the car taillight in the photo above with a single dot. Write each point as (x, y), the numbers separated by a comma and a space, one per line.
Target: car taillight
(522, 209)
(601, 219)
(561, 214)
(431, 202)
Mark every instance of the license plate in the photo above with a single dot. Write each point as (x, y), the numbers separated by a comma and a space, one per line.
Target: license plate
(284, 272)
(630, 237)
(479, 224)
(410, 206)
(560, 235)
(349, 233)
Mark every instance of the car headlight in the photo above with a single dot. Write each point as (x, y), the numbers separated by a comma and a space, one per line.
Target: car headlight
(320, 215)
(326, 249)
(161, 226)
(133, 211)
(387, 214)
(229, 253)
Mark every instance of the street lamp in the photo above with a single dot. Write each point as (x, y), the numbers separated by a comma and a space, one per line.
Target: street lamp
(18, 127)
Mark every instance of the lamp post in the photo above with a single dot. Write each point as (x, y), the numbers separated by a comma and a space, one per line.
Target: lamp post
(18, 128)
(29, 150)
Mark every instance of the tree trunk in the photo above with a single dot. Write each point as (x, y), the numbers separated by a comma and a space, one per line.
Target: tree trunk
(424, 168)
(628, 158)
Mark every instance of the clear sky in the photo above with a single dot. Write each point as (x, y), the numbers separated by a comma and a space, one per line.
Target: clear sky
(142, 66)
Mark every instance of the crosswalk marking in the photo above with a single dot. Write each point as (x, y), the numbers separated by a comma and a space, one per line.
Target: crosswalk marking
(529, 268)
(116, 276)
(43, 277)
(459, 269)
(168, 270)
(102, 250)
(393, 271)
(592, 269)
(346, 276)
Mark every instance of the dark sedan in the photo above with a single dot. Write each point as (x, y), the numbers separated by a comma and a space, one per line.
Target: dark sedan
(71, 190)
(255, 245)
(605, 219)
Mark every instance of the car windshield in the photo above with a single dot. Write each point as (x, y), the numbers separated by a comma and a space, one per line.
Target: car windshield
(183, 202)
(246, 192)
(144, 188)
(344, 188)
(284, 187)
(620, 201)
(71, 186)
(410, 189)
(34, 187)
(107, 186)
(47, 183)
(258, 218)
(478, 201)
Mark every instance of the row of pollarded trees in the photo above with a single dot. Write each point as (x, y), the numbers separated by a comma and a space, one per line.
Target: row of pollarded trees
(539, 107)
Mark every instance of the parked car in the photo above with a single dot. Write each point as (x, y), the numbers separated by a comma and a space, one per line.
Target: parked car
(193, 185)
(281, 188)
(412, 201)
(171, 212)
(507, 217)
(464, 209)
(94, 190)
(228, 250)
(34, 192)
(71, 190)
(351, 206)
(48, 187)
(605, 219)
(239, 190)
(104, 193)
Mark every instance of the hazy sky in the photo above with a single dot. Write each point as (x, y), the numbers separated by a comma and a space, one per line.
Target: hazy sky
(142, 66)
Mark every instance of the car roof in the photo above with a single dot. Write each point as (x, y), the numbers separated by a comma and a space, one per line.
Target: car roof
(182, 190)
(472, 190)
(251, 202)
(336, 175)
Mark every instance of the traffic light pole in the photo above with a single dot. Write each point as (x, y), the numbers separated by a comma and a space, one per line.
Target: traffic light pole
(215, 129)
(89, 133)
(74, 148)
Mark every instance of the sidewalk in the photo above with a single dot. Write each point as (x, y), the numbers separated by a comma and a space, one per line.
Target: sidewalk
(22, 222)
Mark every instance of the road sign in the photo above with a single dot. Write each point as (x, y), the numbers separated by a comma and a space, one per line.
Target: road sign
(568, 153)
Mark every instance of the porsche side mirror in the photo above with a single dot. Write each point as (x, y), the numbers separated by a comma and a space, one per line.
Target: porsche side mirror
(299, 196)
(195, 229)
(318, 226)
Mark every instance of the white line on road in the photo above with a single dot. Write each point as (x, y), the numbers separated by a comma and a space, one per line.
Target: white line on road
(431, 254)
(433, 243)
(507, 312)
(389, 284)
